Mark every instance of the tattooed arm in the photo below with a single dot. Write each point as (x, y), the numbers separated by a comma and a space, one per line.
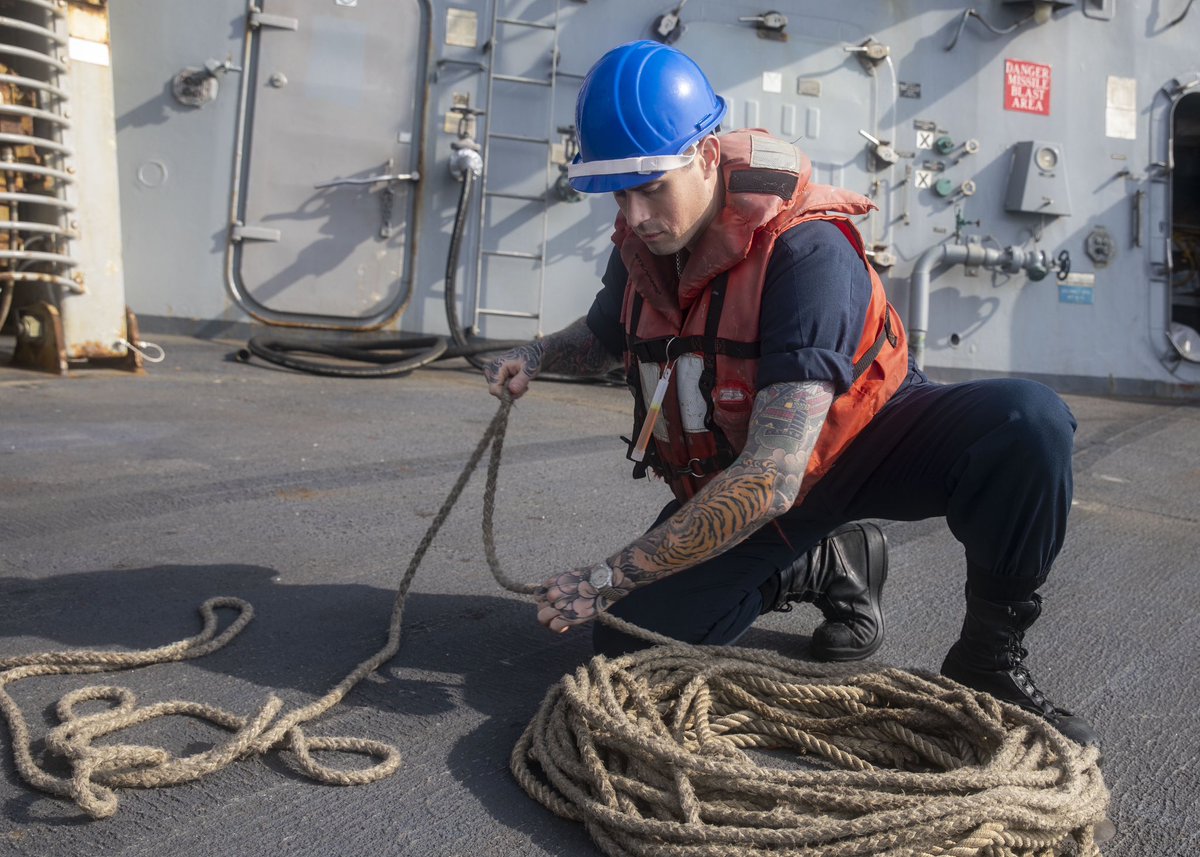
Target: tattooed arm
(574, 350)
(760, 485)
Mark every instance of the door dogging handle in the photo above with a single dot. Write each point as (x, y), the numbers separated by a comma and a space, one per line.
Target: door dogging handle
(395, 177)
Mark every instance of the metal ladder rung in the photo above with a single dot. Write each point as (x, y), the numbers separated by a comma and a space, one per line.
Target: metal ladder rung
(514, 78)
(543, 201)
(524, 197)
(513, 254)
(509, 313)
(520, 138)
(518, 22)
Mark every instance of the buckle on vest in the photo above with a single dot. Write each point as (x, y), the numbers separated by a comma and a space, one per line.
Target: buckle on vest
(691, 470)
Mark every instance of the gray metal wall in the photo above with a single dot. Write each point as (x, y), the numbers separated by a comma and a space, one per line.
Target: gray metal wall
(1105, 325)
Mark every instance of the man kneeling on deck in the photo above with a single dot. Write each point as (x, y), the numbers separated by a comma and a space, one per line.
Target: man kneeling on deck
(774, 393)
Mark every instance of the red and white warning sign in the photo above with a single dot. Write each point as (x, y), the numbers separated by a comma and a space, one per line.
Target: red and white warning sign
(1027, 87)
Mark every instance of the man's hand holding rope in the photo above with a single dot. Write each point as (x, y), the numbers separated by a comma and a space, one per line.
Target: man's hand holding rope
(579, 595)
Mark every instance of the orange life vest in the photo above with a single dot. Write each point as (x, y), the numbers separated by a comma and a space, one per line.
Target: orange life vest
(705, 321)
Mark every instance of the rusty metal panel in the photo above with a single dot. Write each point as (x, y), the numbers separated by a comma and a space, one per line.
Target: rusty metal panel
(94, 321)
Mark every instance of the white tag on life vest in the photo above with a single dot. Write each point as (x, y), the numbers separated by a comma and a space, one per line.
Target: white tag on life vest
(660, 393)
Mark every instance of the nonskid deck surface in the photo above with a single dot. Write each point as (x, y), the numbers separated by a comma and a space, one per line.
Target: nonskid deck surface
(127, 501)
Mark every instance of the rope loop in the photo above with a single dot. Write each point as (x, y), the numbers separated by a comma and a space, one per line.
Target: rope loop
(303, 748)
(149, 351)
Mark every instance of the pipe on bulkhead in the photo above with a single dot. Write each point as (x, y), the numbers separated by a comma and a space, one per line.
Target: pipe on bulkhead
(1008, 259)
(466, 166)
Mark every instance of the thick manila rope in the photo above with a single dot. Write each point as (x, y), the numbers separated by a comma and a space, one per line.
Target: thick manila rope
(649, 750)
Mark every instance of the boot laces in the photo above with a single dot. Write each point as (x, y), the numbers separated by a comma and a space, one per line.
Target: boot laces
(805, 595)
(1017, 653)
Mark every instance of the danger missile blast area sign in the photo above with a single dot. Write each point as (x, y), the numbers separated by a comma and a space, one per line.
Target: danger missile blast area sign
(1027, 87)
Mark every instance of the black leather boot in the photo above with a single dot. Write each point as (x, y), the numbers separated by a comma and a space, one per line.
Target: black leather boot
(843, 575)
(989, 656)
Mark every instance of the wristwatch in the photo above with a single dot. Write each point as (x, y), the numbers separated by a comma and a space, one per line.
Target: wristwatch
(601, 576)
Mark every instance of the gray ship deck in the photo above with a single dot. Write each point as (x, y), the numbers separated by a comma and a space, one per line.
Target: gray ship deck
(127, 501)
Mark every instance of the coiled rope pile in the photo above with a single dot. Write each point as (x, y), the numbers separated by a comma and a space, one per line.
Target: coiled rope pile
(649, 750)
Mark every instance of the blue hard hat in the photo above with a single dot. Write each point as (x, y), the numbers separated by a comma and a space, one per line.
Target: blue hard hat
(640, 109)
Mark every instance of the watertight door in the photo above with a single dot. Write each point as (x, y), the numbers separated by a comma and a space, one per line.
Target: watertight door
(1184, 232)
(335, 94)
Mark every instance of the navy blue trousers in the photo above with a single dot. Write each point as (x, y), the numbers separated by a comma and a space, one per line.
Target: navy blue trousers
(993, 457)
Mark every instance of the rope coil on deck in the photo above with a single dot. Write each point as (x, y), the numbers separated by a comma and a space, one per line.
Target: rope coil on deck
(649, 750)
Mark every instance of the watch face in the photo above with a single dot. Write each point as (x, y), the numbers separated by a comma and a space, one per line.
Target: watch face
(601, 577)
(1047, 158)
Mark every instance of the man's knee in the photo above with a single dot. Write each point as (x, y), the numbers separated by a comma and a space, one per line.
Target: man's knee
(1039, 423)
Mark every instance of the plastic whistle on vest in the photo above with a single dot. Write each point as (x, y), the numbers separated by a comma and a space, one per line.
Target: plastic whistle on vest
(692, 345)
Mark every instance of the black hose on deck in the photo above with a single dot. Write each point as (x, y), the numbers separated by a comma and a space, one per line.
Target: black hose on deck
(385, 357)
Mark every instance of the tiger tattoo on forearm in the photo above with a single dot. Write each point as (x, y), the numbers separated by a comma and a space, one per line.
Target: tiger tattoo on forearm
(760, 485)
